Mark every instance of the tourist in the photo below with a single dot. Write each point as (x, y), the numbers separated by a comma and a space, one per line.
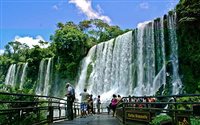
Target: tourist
(90, 105)
(108, 108)
(84, 102)
(70, 99)
(98, 104)
(119, 98)
(114, 104)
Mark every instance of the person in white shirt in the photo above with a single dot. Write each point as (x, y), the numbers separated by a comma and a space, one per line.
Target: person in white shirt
(70, 99)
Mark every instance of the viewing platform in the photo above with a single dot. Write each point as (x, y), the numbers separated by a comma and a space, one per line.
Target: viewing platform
(27, 109)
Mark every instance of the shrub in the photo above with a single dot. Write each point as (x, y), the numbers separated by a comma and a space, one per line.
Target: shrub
(160, 118)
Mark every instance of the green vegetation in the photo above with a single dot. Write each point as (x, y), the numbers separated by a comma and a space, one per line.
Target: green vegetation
(188, 14)
(13, 117)
(187, 99)
(160, 119)
(195, 121)
(89, 71)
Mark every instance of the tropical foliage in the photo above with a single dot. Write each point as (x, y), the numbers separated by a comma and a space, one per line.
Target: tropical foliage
(188, 13)
(161, 119)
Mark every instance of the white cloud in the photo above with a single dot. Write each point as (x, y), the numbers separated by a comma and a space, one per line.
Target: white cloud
(144, 5)
(1, 52)
(85, 7)
(99, 9)
(30, 41)
(55, 7)
(171, 5)
(58, 5)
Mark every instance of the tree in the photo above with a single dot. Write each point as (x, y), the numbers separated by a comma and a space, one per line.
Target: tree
(100, 31)
(60, 25)
(7, 51)
(71, 40)
(83, 25)
(71, 46)
(15, 46)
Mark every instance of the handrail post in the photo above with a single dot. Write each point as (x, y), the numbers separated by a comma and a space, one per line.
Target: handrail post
(50, 110)
(74, 109)
(38, 110)
(20, 115)
(123, 113)
(50, 117)
(175, 114)
(66, 106)
(60, 109)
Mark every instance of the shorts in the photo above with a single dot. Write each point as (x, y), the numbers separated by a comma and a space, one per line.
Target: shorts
(83, 106)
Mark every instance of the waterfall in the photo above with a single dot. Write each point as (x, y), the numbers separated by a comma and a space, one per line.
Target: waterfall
(16, 75)
(47, 78)
(176, 81)
(23, 75)
(10, 76)
(43, 84)
(85, 63)
(145, 58)
(151, 58)
(110, 63)
(40, 81)
(133, 63)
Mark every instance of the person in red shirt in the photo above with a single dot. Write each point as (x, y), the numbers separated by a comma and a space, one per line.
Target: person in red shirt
(114, 102)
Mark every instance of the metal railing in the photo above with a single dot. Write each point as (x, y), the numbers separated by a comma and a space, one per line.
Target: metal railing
(18, 109)
(144, 108)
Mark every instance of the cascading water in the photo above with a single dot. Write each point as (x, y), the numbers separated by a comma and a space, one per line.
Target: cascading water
(43, 84)
(110, 64)
(132, 64)
(47, 78)
(176, 81)
(16, 75)
(10, 76)
(145, 63)
(22, 80)
(40, 86)
(86, 62)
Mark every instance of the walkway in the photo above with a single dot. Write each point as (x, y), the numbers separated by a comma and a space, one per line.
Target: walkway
(101, 119)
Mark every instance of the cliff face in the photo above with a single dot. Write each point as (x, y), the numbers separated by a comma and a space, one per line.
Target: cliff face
(188, 14)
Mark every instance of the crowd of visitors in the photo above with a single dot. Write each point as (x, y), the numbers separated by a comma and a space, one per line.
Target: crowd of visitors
(139, 102)
(87, 102)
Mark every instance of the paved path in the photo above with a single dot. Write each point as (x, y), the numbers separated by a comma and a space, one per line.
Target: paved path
(92, 120)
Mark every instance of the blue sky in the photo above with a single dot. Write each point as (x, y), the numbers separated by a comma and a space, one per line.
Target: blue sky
(36, 19)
